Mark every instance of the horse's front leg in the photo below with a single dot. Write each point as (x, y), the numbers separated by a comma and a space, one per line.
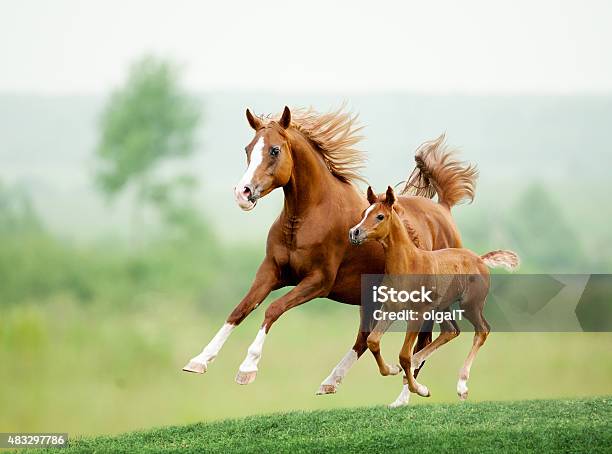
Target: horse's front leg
(266, 280)
(311, 287)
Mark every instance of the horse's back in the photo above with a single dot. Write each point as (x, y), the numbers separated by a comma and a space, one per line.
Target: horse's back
(430, 222)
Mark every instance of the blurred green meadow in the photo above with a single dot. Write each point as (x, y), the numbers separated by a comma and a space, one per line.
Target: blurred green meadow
(94, 371)
(115, 271)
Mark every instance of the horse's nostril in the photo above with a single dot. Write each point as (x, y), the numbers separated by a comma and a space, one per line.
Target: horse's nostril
(246, 190)
(356, 233)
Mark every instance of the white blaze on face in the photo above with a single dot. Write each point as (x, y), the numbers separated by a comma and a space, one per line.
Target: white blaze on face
(256, 160)
(365, 216)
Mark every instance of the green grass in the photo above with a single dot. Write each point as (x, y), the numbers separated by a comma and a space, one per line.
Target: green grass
(577, 425)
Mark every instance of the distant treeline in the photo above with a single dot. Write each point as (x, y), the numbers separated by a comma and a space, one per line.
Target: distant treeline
(185, 260)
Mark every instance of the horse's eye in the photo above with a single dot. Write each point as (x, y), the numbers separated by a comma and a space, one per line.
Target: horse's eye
(274, 151)
(246, 150)
(380, 217)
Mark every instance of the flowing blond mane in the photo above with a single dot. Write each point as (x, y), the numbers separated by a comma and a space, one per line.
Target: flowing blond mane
(335, 135)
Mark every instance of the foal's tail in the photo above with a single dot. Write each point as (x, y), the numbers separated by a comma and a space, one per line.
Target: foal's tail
(498, 259)
(438, 172)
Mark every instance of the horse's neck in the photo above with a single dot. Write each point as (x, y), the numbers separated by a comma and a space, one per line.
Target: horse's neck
(310, 181)
(401, 253)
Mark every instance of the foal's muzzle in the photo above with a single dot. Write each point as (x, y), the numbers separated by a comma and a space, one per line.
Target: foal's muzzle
(356, 236)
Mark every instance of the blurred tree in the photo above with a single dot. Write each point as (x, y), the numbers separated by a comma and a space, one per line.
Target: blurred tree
(544, 239)
(147, 120)
(17, 214)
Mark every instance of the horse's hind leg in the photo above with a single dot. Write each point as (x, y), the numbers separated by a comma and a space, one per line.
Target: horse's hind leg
(333, 380)
(481, 333)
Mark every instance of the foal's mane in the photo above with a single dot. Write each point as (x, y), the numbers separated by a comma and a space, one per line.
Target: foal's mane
(335, 134)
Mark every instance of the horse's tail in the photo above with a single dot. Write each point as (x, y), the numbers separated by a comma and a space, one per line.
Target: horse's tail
(498, 259)
(438, 172)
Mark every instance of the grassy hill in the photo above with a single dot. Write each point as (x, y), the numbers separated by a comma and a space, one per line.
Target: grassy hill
(542, 425)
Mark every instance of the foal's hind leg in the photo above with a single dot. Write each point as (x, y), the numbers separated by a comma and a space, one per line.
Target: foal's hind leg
(481, 333)
(449, 331)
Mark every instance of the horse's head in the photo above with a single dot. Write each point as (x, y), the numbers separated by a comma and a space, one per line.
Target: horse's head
(268, 158)
(375, 223)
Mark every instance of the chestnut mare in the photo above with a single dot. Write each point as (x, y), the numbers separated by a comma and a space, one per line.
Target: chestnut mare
(311, 156)
(463, 274)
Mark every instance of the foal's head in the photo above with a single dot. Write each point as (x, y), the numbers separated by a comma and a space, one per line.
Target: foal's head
(269, 160)
(375, 223)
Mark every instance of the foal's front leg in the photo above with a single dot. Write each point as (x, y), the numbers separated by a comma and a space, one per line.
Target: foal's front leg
(410, 384)
(265, 281)
(311, 287)
(374, 345)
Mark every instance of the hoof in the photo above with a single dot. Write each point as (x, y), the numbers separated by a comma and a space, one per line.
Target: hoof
(196, 368)
(462, 390)
(395, 370)
(423, 391)
(326, 389)
(398, 404)
(244, 378)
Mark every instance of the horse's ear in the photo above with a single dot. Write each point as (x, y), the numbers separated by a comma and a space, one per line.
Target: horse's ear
(285, 120)
(390, 200)
(253, 120)
(371, 196)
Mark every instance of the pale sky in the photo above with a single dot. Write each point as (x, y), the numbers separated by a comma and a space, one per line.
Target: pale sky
(466, 46)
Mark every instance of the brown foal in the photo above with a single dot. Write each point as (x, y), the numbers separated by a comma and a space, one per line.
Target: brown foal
(456, 275)
(311, 156)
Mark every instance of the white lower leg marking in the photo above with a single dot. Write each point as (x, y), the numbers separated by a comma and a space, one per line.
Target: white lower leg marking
(402, 399)
(210, 352)
(341, 369)
(462, 389)
(254, 353)
(421, 390)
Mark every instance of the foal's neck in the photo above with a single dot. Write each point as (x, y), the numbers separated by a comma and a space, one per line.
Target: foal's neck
(311, 180)
(400, 251)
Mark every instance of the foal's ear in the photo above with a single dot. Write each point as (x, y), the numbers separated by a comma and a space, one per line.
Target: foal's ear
(253, 120)
(285, 120)
(390, 200)
(371, 196)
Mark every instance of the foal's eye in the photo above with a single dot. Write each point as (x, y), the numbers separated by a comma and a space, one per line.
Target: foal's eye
(274, 151)
(380, 217)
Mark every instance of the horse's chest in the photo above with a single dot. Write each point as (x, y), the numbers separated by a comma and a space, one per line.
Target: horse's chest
(303, 258)
(308, 244)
